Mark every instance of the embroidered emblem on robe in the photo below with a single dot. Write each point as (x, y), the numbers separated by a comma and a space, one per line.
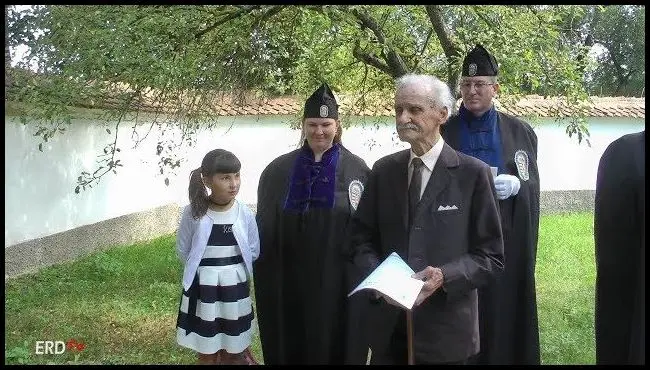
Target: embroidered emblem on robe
(354, 193)
(521, 160)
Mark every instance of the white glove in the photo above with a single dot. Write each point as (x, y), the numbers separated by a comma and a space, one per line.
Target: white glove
(506, 186)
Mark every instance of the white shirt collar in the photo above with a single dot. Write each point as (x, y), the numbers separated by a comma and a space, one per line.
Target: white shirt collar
(429, 158)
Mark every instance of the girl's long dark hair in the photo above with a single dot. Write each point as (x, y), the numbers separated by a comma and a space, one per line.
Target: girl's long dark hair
(216, 161)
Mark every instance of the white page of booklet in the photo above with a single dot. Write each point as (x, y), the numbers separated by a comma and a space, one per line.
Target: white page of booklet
(392, 278)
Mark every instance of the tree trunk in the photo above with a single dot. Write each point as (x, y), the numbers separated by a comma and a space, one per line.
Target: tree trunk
(450, 48)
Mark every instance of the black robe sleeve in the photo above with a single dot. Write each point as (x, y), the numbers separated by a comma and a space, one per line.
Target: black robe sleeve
(520, 244)
(268, 269)
(619, 235)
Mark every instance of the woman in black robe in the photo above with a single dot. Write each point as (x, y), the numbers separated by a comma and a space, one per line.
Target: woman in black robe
(305, 202)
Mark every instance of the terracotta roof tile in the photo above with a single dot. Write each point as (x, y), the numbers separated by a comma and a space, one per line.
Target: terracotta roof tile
(526, 106)
(531, 105)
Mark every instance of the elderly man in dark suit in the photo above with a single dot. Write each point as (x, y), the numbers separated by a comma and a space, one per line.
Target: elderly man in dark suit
(437, 209)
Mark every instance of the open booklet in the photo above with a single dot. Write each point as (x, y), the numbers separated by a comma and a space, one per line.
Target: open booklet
(392, 278)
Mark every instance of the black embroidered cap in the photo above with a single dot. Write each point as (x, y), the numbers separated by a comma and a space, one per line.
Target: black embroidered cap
(321, 104)
(479, 62)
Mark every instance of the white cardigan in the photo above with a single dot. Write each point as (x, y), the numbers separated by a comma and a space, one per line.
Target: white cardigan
(192, 238)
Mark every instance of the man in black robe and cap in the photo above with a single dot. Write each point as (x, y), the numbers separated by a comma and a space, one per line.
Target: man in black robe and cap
(509, 331)
(619, 235)
(305, 201)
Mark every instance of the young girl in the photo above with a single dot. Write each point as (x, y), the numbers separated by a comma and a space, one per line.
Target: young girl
(217, 241)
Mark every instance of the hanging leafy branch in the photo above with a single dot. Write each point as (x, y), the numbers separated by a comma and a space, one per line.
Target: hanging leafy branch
(178, 63)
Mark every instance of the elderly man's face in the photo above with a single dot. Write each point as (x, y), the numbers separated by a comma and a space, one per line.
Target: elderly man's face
(417, 120)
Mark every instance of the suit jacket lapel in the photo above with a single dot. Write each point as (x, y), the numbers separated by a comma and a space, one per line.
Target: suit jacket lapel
(440, 176)
(400, 184)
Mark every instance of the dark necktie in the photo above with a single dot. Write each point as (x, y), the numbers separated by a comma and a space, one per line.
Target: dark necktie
(415, 187)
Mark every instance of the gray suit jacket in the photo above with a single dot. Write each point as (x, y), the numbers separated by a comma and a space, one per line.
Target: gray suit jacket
(456, 228)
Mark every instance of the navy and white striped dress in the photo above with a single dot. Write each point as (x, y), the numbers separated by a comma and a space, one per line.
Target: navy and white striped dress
(216, 312)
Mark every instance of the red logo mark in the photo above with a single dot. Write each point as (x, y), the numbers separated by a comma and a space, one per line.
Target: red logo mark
(72, 345)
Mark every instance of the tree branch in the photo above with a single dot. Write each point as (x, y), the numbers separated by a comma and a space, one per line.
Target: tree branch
(582, 55)
(426, 42)
(485, 20)
(227, 18)
(394, 61)
(620, 73)
(444, 34)
(368, 22)
(536, 14)
(371, 60)
(268, 14)
(424, 47)
(451, 50)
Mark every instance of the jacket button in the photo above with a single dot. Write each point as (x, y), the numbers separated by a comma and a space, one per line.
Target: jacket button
(417, 228)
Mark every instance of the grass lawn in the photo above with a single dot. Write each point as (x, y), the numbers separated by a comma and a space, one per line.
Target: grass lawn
(566, 277)
(122, 303)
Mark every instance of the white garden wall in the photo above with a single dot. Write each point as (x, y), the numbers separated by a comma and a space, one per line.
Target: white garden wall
(39, 186)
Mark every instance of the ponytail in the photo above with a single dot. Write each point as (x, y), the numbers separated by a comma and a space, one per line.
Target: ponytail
(198, 195)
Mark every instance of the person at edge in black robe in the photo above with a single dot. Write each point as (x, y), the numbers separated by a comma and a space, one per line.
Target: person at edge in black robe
(619, 236)
(509, 331)
(305, 202)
